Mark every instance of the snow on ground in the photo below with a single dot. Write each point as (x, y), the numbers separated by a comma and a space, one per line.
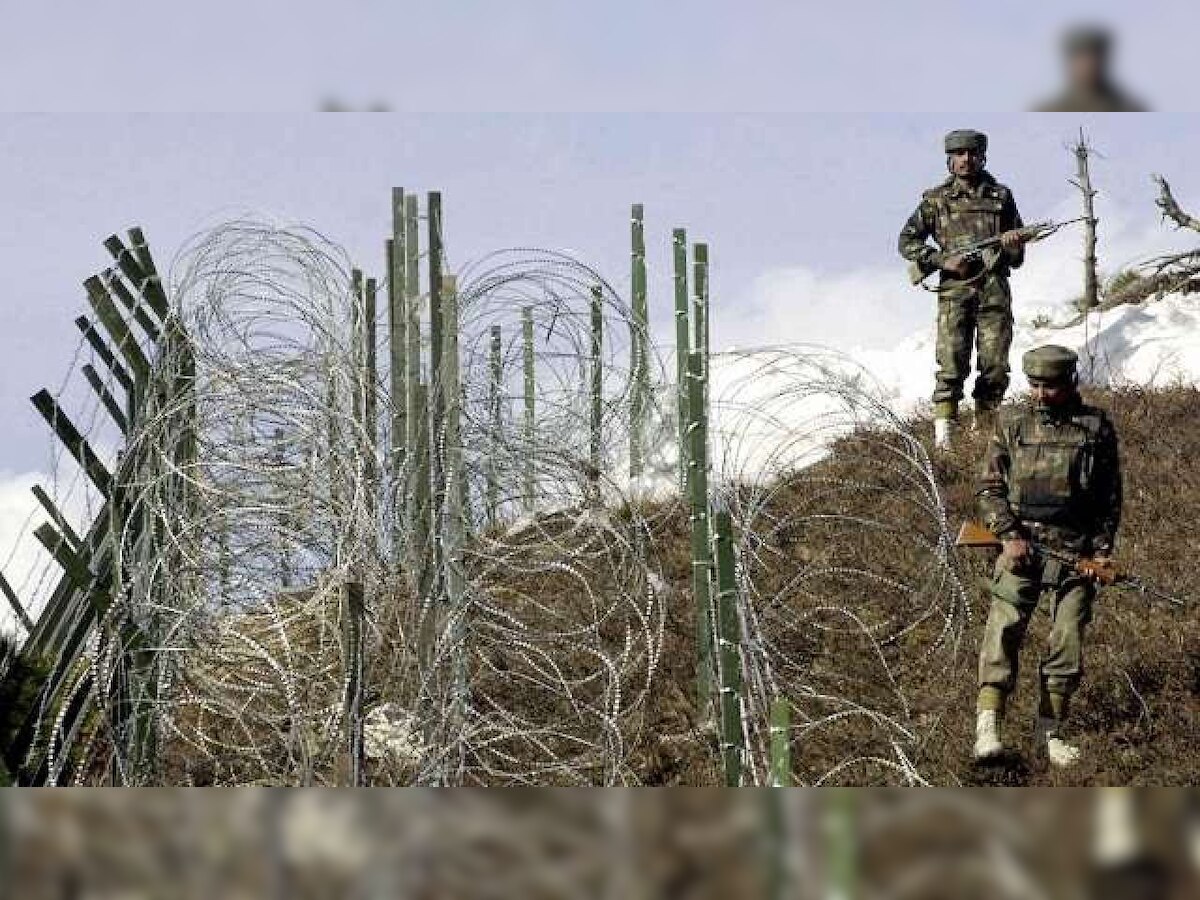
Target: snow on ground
(778, 408)
(1154, 344)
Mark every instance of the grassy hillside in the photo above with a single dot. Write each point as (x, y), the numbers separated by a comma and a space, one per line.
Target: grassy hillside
(1137, 714)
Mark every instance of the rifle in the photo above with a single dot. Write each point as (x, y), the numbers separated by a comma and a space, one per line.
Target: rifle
(1038, 231)
(1103, 571)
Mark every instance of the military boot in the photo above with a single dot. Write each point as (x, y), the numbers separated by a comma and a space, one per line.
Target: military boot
(988, 744)
(1061, 754)
(945, 416)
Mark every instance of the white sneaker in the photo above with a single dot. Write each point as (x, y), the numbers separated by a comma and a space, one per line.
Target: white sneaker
(1061, 754)
(943, 434)
(987, 734)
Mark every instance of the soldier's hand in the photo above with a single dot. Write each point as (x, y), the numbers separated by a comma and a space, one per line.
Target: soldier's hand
(955, 265)
(1012, 241)
(1099, 568)
(1016, 549)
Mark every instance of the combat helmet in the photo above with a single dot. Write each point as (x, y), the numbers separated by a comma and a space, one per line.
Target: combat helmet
(966, 139)
(1050, 363)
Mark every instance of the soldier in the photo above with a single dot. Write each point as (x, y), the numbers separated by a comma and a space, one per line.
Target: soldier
(1051, 475)
(974, 301)
(1087, 52)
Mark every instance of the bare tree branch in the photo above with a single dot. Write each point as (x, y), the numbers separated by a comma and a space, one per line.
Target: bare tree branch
(1171, 209)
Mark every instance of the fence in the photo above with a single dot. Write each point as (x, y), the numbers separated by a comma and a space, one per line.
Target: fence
(433, 544)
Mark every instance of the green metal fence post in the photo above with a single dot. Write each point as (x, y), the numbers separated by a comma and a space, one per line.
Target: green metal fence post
(437, 399)
(703, 305)
(397, 257)
(781, 743)
(353, 618)
(357, 351)
(454, 536)
(701, 548)
(371, 409)
(730, 657)
(422, 533)
(528, 434)
(639, 345)
(595, 423)
(495, 382)
(841, 831)
(285, 527)
(683, 343)
(417, 439)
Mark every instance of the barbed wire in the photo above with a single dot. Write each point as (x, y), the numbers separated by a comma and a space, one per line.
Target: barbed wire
(852, 597)
(516, 595)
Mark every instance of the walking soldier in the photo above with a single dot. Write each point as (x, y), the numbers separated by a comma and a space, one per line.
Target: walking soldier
(1052, 478)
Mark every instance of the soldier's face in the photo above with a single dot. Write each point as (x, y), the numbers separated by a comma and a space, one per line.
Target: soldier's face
(965, 163)
(1050, 393)
(1087, 68)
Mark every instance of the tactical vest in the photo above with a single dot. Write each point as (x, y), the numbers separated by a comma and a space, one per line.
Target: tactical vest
(1052, 461)
(963, 219)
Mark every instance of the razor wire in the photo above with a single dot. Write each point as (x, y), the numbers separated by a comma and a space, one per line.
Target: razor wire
(853, 604)
(280, 504)
(564, 608)
(534, 656)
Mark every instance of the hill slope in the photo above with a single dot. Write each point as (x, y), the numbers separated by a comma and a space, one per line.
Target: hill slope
(1138, 712)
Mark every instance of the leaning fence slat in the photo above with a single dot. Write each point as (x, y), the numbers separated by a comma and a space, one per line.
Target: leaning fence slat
(144, 279)
(57, 517)
(106, 398)
(109, 316)
(75, 443)
(101, 349)
(116, 284)
(71, 561)
(14, 601)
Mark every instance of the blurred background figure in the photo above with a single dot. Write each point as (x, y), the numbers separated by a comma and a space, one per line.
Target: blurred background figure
(1087, 55)
(1124, 865)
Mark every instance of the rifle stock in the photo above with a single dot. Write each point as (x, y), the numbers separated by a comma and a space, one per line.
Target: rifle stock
(1102, 570)
(974, 534)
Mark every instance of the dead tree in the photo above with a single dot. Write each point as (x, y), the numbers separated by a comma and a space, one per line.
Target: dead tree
(1171, 209)
(1091, 289)
(1170, 273)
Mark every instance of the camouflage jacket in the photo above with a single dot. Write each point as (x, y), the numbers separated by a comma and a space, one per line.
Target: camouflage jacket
(954, 214)
(1053, 475)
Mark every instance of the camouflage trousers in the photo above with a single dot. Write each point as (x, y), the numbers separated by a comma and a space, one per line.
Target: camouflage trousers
(1016, 591)
(978, 315)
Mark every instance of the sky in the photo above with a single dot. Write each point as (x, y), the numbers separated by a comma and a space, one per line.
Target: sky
(801, 211)
(557, 55)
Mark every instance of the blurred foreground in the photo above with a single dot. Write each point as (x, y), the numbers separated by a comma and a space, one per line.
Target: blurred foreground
(622, 843)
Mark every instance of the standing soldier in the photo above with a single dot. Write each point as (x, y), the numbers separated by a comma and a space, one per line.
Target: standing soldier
(1051, 476)
(974, 301)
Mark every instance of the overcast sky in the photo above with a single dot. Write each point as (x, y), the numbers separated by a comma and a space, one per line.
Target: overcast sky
(801, 211)
(535, 55)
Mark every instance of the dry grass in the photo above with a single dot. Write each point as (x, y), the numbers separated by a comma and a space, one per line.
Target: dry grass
(1138, 711)
(1137, 714)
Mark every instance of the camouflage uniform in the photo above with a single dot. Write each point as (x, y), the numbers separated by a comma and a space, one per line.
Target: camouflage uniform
(1051, 474)
(974, 308)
